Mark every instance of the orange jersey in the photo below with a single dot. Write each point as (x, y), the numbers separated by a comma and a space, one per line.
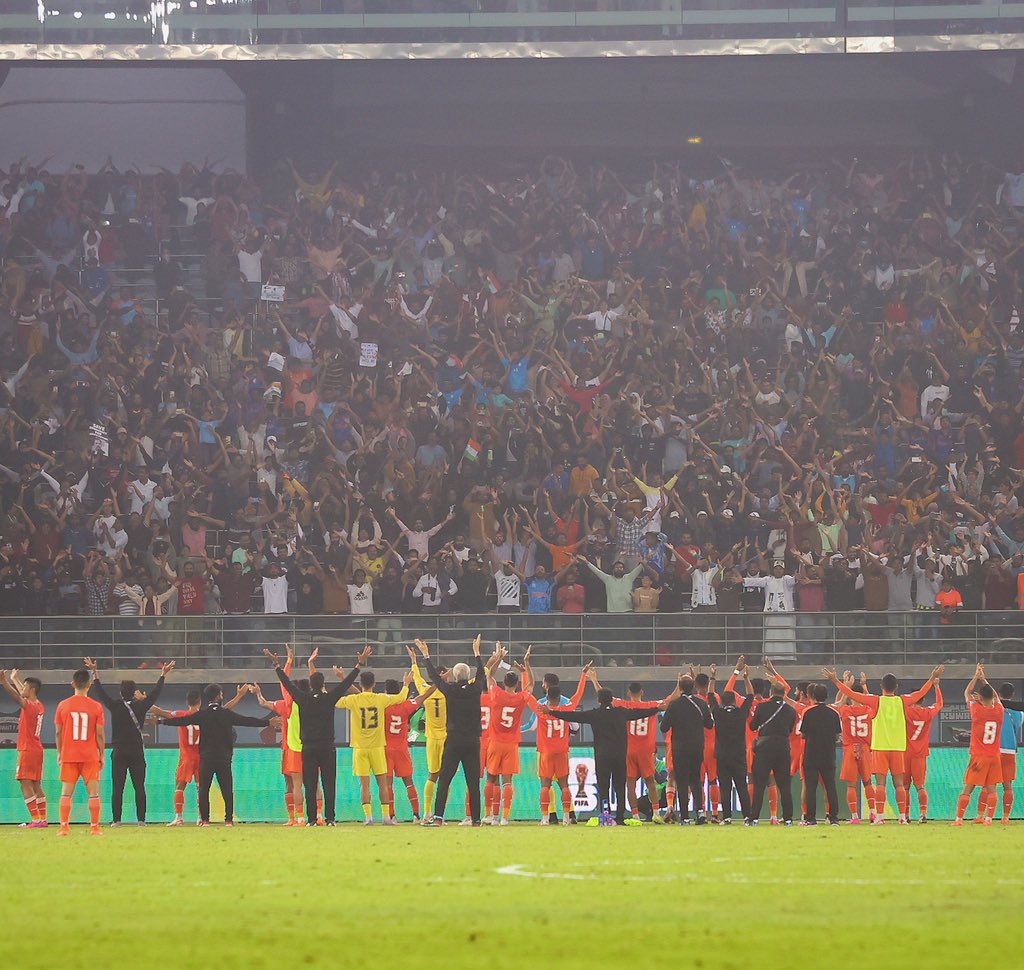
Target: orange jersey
(283, 709)
(919, 729)
(507, 715)
(396, 724)
(188, 737)
(30, 726)
(642, 734)
(801, 708)
(485, 715)
(986, 725)
(80, 722)
(709, 733)
(552, 732)
(856, 721)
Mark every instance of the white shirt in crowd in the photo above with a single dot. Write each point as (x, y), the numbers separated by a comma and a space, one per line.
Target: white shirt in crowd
(360, 599)
(141, 495)
(703, 593)
(275, 594)
(778, 592)
(509, 588)
(251, 265)
(431, 589)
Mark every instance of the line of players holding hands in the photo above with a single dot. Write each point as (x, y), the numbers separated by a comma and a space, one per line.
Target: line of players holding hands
(766, 732)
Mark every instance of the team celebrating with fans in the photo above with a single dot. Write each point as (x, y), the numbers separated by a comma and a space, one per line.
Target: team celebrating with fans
(749, 740)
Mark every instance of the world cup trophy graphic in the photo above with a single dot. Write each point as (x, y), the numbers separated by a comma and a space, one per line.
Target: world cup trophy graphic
(582, 770)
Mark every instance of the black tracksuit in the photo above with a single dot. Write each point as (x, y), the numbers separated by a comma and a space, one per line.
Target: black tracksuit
(316, 729)
(820, 726)
(127, 753)
(216, 747)
(774, 721)
(731, 752)
(610, 742)
(687, 717)
(462, 744)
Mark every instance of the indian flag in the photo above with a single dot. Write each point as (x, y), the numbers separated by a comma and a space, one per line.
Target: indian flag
(472, 451)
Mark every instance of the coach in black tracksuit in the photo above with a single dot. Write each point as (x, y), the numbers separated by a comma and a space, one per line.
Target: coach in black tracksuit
(216, 747)
(127, 756)
(316, 731)
(462, 743)
(609, 726)
(773, 721)
(731, 748)
(687, 717)
(819, 726)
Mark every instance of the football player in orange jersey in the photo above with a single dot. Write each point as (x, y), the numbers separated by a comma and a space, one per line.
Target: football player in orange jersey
(553, 747)
(985, 768)
(919, 729)
(856, 766)
(29, 773)
(507, 704)
(80, 745)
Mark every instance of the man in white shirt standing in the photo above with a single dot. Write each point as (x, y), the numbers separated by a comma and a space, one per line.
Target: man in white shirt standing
(704, 595)
(275, 589)
(509, 582)
(778, 588)
(432, 588)
(141, 491)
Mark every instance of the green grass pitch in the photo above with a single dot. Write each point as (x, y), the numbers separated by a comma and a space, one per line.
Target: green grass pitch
(524, 896)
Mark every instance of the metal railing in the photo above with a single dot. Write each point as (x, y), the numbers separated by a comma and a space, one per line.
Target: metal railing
(311, 22)
(631, 639)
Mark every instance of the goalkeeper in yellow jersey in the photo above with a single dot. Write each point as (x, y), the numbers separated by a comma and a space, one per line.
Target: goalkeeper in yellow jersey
(366, 730)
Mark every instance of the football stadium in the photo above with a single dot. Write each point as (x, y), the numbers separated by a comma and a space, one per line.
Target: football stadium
(602, 416)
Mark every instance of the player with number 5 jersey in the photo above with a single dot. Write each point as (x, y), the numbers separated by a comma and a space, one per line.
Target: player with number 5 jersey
(508, 702)
(553, 747)
(29, 773)
(80, 744)
(368, 712)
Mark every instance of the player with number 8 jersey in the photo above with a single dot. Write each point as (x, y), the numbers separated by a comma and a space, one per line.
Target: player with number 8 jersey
(985, 768)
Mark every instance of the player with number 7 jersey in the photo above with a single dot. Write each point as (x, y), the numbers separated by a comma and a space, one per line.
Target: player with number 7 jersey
(919, 732)
(553, 748)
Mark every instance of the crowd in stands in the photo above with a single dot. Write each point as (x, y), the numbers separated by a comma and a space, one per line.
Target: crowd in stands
(538, 387)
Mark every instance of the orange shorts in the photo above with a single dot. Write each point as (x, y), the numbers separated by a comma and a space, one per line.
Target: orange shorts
(984, 770)
(399, 761)
(1008, 764)
(188, 769)
(291, 762)
(709, 769)
(503, 758)
(887, 762)
(553, 764)
(30, 766)
(856, 764)
(485, 747)
(71, 771)
(796, 757)
(639, 764)
(915, 770)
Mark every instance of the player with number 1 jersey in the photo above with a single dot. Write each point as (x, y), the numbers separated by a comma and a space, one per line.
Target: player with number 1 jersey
(435, 720)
